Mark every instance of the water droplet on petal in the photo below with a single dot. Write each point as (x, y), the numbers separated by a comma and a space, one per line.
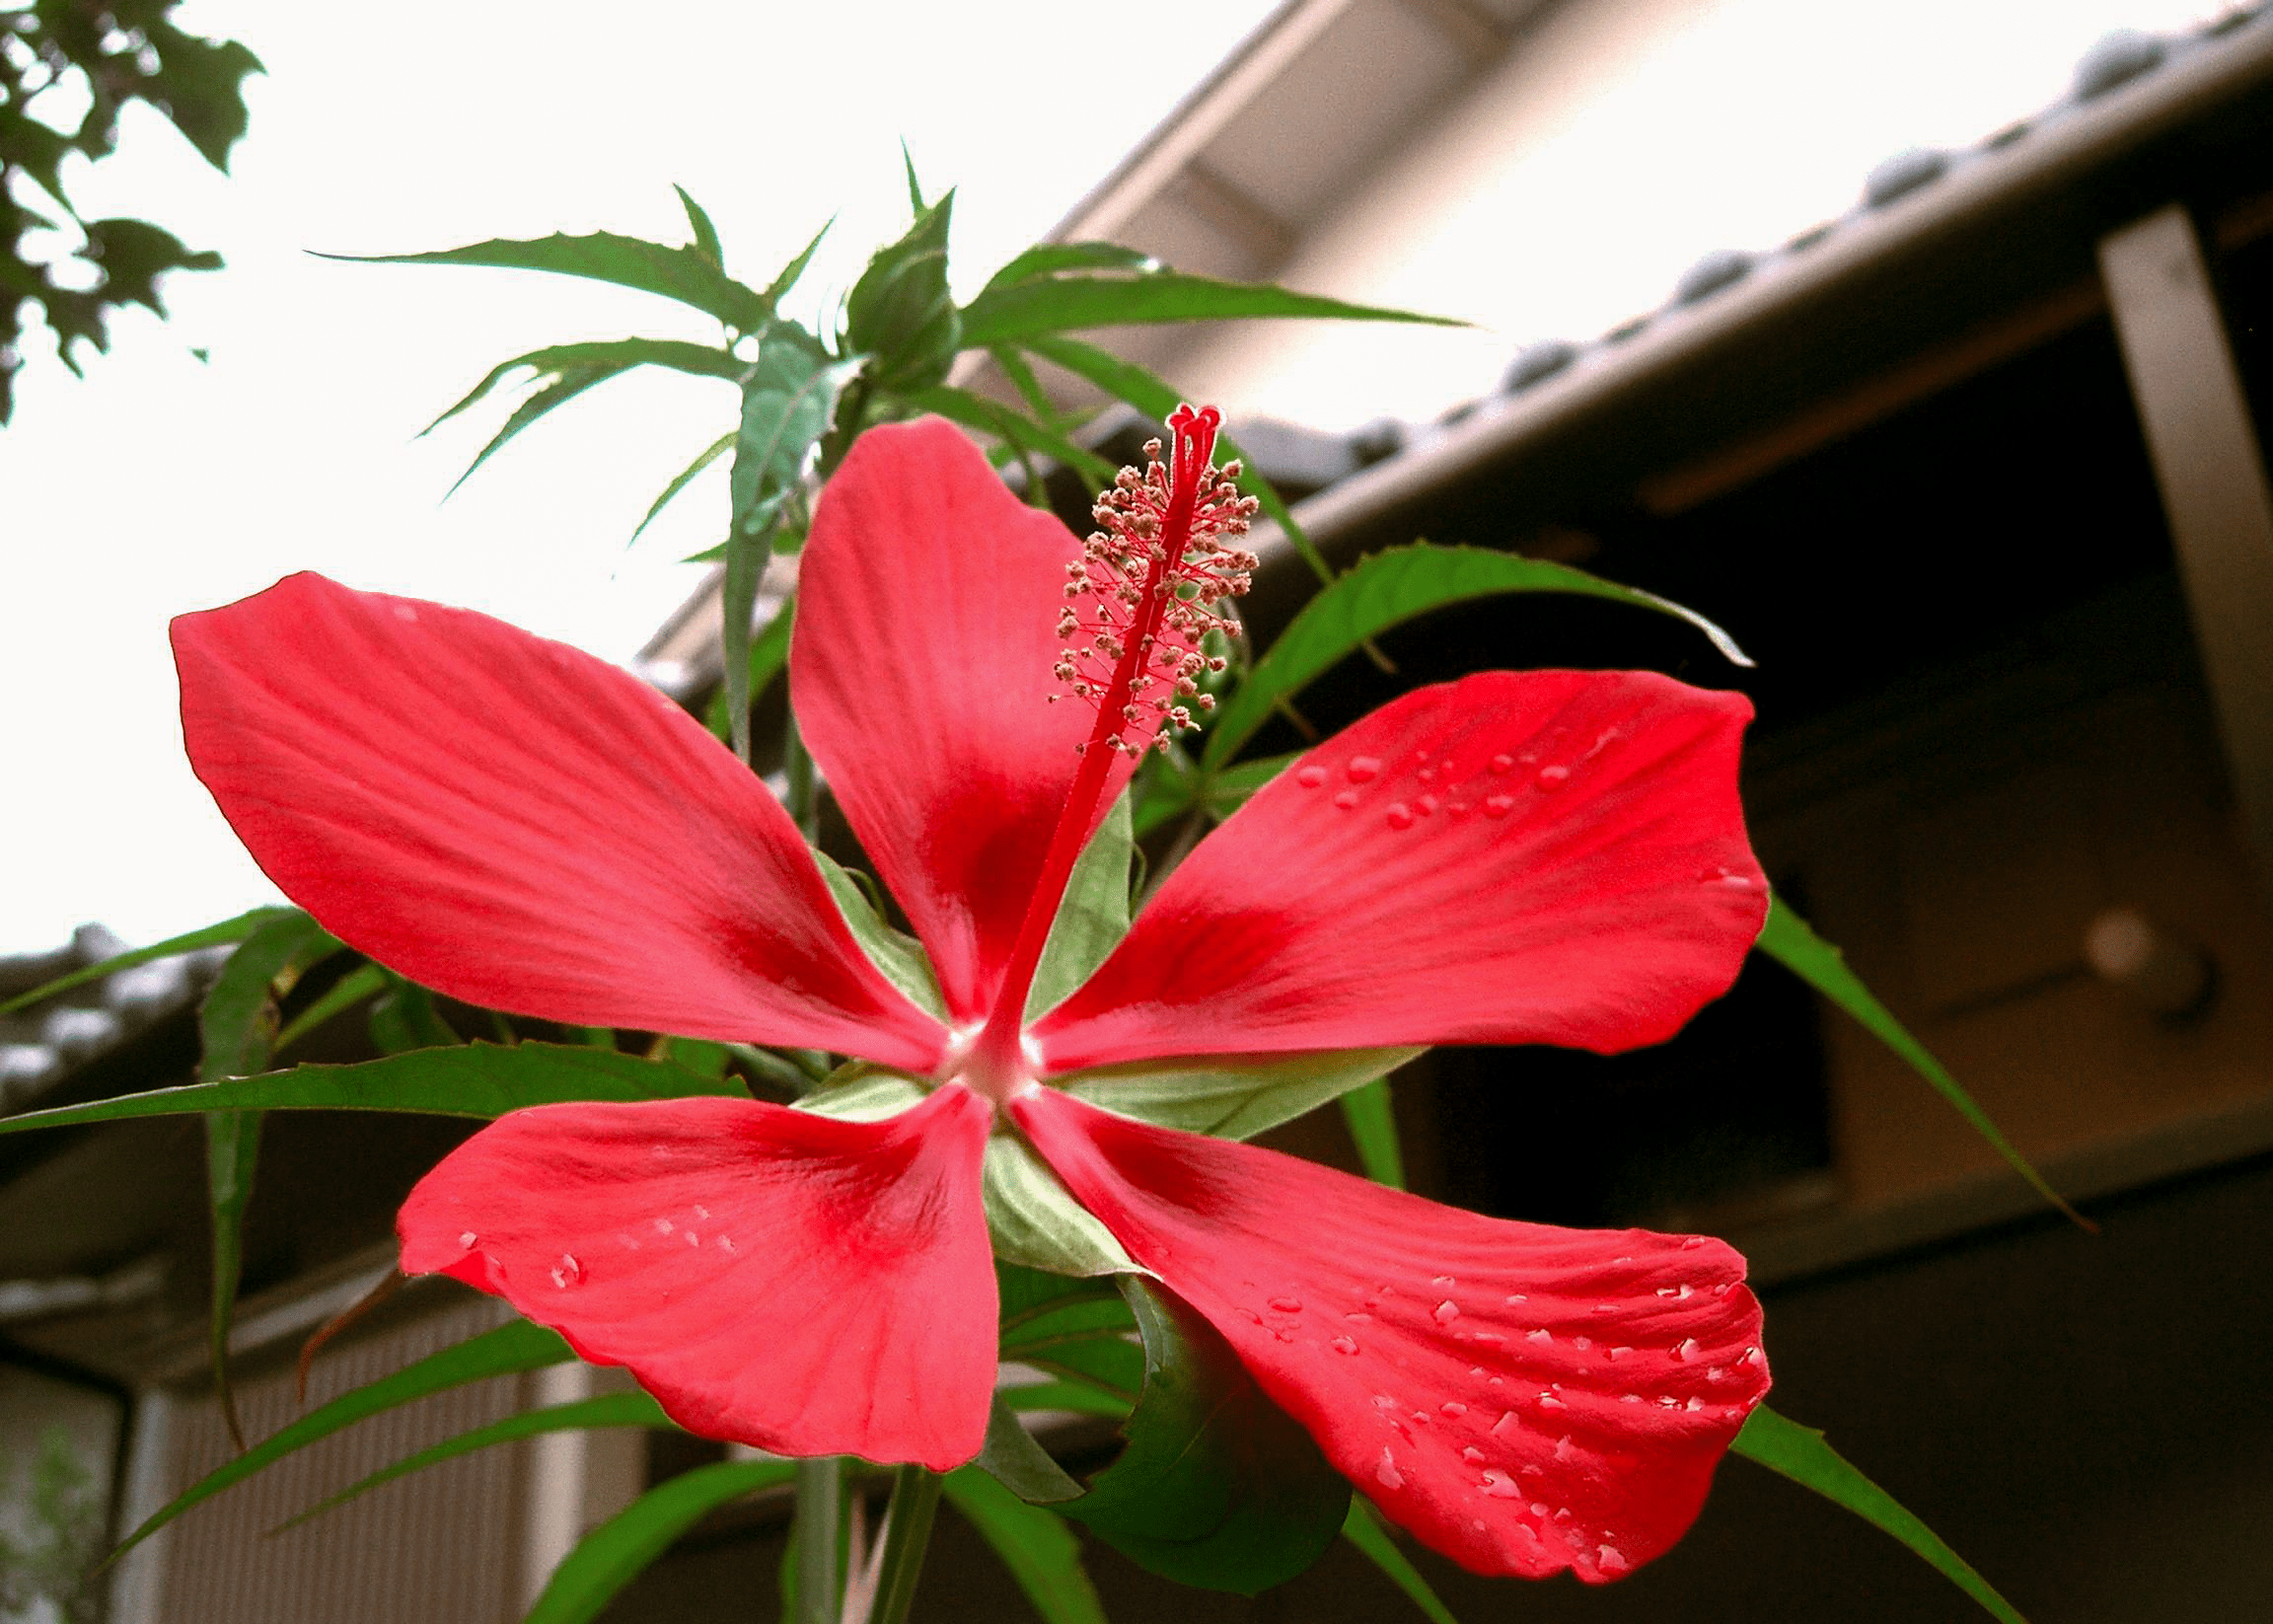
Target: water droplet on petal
(1540, 1507)
(1343, 1345)
(1506, 1424)
(1457, 807)
(1502, 764)
(1478, 1524)
(1383, 1401)
(1563, 1449)
(1499, 1485)
(1447, 1311)
(1498, 806)
(1610, 1559)
(1387, 1474)
(1548, 1401)
(1541, 1337)
(694, 1239)
(1685, 1348)
(1616, 1352)
(568, 1272)
(1690, 1243)
(664, 1227)
(1680, 1291)
(726, 1243)
(700, 1211)
(1311, 777)
(1473, 1453)
(1514, 1296)
(1363, 768)
(1552, 779)
(1347, 799)
(1400, 815)
(1428, 774)
(468, 1239)
(1453, 1407)
(1426, 805)
(1358, 1320)
(1287, 1305)
(1581, 1343)
(1436, 1280)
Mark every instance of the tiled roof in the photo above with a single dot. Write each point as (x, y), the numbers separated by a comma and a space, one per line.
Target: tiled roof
(43, 1044)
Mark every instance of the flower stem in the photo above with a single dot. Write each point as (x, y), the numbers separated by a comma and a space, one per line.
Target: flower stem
(820, 1492)
(907, 1537)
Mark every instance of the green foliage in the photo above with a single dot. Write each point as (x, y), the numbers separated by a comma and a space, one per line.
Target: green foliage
(900, 312)
(1217, 1487)
(1373, 1123)
(1802, 1455)
(1234, 1097)
(689, 275)
(1034, 1543)
(1790, 940)
(224, 934)
(1092, 915)
(1384, 591)
(1364, 1529)
(1072, 298)
(479, 1079)
(507, 1351)
(116, 56)
(613, 1554)
(608, 1409)
(46, 1568)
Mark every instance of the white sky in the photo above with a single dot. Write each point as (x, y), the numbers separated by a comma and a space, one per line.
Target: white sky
(161, 484)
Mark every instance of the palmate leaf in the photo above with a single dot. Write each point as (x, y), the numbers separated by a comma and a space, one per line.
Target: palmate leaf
(507, 1351)
(682, 480)
(1013, 428)
(479, 1079)
(564, 387)
(1802, 1455)
(900, 311)
(688, 275)
(1037, 306)
(1054, 258)
(698, 225)
(1217, 1487)
(616, 1552)
(608, 1409)
(1383, 591)
(608, 355)
(1790, 940)
(225, 933)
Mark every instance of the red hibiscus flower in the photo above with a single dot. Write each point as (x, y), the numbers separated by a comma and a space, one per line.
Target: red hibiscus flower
(1542, 857)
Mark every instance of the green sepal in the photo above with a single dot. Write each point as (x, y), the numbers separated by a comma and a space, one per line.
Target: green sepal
(1013, 1459)
(1231, 1096)
(898, 956)
(1093, 914)
(1036, 1222)
(900, 311)
(1217, 1487)
(864, 1092)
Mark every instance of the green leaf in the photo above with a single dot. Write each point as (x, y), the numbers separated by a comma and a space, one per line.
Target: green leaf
(1219, 792)
(900, 311)
(237, 1028)
(403, 1018)
(1372, 1125)
(1082, 1397)
(507, 1351)
(1034, 1543)
(898, 956)
(1234, 1096)
(768, 654)
(684, 274)
(1036, 307)
(1051, 259)
(1790, 940)
(1391, 587)
(1802, 1455)
(1013, 427)
(1218, 1488)
(1363, 1529)
(1035, 1221)
(681, 481)
(558, 392)
(607, 356)
(616, 1552)
(1092, 915)
(795, 268)
(478, 1080)
(1157, 398)
(787, 402)
(698, 222)
(1013, 1458)
(226, 932)
(363, 982)
(608, 1409)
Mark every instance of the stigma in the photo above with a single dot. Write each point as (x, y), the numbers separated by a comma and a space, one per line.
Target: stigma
(1151, 584)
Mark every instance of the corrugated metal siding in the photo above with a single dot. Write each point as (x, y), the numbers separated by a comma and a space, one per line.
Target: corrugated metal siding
(437, 1547)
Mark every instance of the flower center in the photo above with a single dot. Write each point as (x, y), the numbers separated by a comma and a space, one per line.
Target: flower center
(1140, 600)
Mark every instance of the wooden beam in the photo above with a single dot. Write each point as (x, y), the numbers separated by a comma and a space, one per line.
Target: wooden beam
(2211, 473)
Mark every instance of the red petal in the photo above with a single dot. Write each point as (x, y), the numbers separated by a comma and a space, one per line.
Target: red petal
(772, 1277)
(517, 824)
(926, 633)
(1523, 1398)
(1554, 856)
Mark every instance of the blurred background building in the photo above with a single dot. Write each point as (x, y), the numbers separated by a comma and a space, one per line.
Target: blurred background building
(1972, 469)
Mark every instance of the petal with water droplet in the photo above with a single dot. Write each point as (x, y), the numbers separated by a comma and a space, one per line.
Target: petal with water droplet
(1208, 1215)
(864, 1325)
